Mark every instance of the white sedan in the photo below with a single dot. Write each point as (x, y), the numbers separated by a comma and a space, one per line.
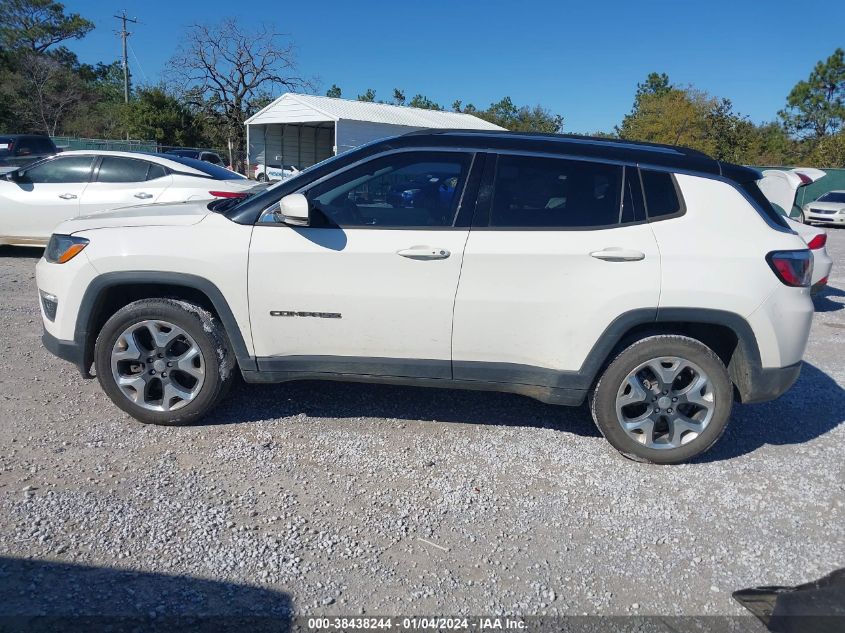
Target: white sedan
(829, 208)
(36, 198)
(264, 172)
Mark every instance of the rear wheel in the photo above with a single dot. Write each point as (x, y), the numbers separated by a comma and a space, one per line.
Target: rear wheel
(664, 399)
(164, 361)
(261, 177)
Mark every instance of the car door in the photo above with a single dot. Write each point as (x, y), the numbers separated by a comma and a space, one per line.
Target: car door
(369, 286)
(121, 182)
(561, 251)
(44, 195)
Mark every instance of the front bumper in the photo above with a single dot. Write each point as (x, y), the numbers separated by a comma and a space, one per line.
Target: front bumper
(834, 218)
(70, 351)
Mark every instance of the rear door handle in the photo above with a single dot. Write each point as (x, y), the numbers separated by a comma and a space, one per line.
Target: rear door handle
(67, 196)
(618, 255)
(143, 195)
(424, 252)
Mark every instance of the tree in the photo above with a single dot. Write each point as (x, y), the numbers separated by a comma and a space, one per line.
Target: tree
(334, 92)
(816, 107)
(36, 25)
(829, 152)
(421, 101)
(398, 97)
(368, 96)
(157, 115)
(42, 93)
(225, 73)
(519, 119)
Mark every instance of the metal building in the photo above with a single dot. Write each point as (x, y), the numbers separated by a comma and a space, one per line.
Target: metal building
(301, 130)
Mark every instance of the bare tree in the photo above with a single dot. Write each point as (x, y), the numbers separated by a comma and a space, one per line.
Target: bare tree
(226, 73)
(43, 92)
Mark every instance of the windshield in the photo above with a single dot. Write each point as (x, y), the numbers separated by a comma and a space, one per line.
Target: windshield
(833, 196)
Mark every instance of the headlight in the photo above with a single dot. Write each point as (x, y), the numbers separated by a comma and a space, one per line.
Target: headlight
(63, 248)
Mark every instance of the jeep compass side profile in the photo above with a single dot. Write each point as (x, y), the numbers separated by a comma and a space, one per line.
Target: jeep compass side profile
(652, 281)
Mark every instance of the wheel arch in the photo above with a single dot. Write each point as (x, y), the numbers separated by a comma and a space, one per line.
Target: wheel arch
(728, 334)
(109, 292)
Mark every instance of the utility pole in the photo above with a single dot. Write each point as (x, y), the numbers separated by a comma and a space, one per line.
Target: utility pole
(124, 34)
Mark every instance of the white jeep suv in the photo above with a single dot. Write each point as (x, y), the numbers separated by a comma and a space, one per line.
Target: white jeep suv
(653, 281)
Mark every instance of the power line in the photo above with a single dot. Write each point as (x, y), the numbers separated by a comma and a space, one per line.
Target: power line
(124, 34)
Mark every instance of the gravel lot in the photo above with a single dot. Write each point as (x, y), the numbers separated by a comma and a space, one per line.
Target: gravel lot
(325, 498)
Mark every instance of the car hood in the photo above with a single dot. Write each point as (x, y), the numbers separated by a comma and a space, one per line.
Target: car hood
(179, 214)
(836, 206)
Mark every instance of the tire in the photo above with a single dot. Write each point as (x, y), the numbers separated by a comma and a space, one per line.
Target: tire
(146, 339)
(261, 178)
(683, 428)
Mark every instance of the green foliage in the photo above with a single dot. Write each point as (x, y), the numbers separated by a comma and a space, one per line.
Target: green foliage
(36, 25)
(157, 115)
(829, 152)
(398, 97)
(816, 107)
(334, 91)
(368, 96)
(421, 101)
(519, 119)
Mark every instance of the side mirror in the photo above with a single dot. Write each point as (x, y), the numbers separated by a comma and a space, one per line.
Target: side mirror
(294, 210)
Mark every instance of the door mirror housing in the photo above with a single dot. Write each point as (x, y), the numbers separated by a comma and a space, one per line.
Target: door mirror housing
(294, 210)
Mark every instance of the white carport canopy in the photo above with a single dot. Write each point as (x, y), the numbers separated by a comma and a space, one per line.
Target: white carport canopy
(302, 130)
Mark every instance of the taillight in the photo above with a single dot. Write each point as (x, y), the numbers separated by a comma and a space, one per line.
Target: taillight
(228, 194)
(793, 268)
(818, 241)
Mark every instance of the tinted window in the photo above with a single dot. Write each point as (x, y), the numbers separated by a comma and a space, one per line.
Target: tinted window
(661, 195)
(156, 171)
(216, 172)
(23, 147)
(833, 196)
(63, 170)
(212, 158)
(555, 193)
(114, 169)
(410, 189)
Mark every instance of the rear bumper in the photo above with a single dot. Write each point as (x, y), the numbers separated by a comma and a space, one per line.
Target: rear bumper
(770, 383)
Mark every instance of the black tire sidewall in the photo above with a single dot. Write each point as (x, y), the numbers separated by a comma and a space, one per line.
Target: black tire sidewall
(604, 397)
(193, 321)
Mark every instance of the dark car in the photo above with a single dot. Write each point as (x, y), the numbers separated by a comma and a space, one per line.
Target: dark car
(18, 150)
(199, 154)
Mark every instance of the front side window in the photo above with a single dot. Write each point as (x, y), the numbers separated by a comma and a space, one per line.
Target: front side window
(60, 170)
(115, 169)
(534, 192)
(403, 190)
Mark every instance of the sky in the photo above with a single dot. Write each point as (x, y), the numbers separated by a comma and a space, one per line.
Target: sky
(580, 59)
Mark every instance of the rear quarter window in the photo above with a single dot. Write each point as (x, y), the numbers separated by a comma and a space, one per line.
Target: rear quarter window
(662, 197)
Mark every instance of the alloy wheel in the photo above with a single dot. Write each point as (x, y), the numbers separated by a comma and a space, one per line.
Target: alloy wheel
(157, 365)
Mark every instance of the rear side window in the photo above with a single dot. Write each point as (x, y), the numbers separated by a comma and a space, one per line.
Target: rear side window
(42, 145)
(156, 171)
(535, 192)
(662, 198)
(114, 169)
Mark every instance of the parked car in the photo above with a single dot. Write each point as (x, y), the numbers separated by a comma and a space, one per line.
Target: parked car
(567, 268)
(829, 208)
(199, 154)
(263, 173)
(781, 187)
(816, 240)
(19, 150)
(34, 199)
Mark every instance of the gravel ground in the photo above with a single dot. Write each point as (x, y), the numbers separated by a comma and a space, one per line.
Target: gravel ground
(326, 498)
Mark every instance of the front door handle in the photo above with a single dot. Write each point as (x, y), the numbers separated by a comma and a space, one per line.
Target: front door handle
(67, 196)
(614, 254)
(143, 195)
(424, 252)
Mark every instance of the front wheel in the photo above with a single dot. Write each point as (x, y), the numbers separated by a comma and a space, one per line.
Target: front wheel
(261, 177)
(664, 399)
(164, 361)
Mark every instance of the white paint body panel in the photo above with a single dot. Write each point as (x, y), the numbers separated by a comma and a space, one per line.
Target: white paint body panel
(391, 306)
(822, 262)
(538, 298)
